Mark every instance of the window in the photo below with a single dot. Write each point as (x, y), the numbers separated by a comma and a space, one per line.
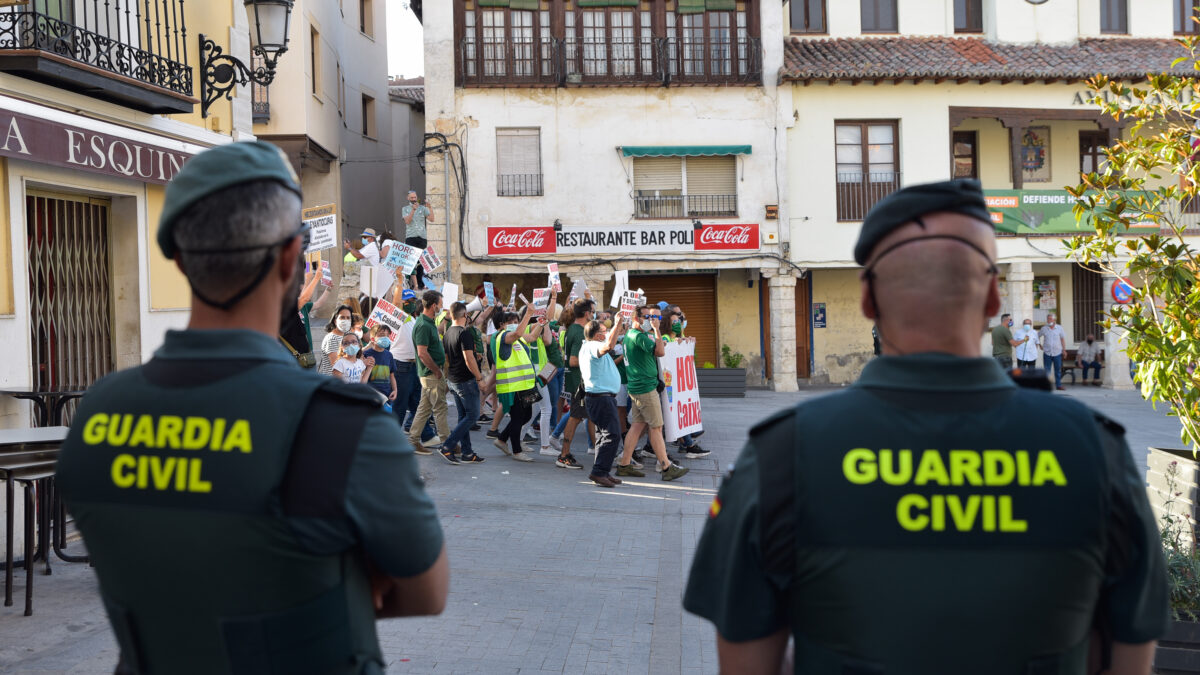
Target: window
(519, 163)
(368, 116)
(968, 16)
(314, 59)
(1091, 151)
(685, 187)
(808, 16)
(868, 166)
(606, 43)
(879, 16)
(1114, 16)
(966, 154)
(1185, 10)
(366, 17)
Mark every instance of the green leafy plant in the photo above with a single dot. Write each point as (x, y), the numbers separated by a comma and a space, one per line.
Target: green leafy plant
(1136, 205)
(1183, 563)
(708, 365)
(730, 358)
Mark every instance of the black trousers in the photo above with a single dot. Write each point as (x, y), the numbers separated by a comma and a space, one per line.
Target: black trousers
(518, 415)
(419, 242)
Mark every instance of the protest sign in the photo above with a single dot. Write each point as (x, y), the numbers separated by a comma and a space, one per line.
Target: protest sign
(430, 260)
(326, 275)
(489, 291)
(541, 302)
(578, 290)
(322, 224)
(555, 279)
(512, 299)
(680, 395)
(450, 293)
(621, 285)
(630, 301)
(402, 257)
(387, 314)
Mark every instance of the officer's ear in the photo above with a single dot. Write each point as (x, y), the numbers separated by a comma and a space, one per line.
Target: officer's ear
(867, 301)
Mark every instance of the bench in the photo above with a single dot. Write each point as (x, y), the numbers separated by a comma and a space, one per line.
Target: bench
(1068, 366)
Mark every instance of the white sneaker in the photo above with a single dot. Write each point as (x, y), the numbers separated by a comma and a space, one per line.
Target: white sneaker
(526, 449)
(556, 443)
(548, 450)
(503, 446)
(636, 464)
(591, 450)
(523, 457)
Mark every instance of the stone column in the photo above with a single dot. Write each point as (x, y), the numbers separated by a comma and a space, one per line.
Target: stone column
(782, 296)
(1115, 374)
(1020, 291)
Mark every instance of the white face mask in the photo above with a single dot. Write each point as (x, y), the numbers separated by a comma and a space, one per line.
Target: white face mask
(1049, 322)
(343, 325)
(647, 325)
(1028, 326)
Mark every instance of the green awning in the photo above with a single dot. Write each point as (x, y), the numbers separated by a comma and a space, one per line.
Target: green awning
(526, 4)
(689, 6)
(683, 150)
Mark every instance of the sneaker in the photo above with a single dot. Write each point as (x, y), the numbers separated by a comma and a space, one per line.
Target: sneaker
(639, 457)
(449, 456)
(629, 471)
(568, 462)
(636, 464)
(529, 438)
(549, 451)
(696, 452)
(492, 433)
(526, 448)
(556, 443)
(420, 449)
(473, 459)
(674, 471)
(591, 450)
(503, 446)
(523, 457)
(484, 417)
(475, 427)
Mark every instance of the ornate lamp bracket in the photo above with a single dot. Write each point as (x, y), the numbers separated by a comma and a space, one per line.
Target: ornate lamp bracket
(220, 73)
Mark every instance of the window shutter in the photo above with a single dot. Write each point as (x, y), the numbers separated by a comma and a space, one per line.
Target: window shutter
(526, 4)
(696, 294)
(657, 173)
(711, 175)
(518, 152)
(607, 3)
(724, 5)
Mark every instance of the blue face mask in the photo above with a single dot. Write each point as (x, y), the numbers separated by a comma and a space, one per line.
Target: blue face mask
(684, 323)
(383, 342)
(365, 241)
(351, 350)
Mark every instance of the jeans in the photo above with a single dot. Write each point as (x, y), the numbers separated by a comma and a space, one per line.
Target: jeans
(408, 398)
(562, 424)
(1004, 361)
(1090, 364)
(555, 385)
(518, 415)
(433, 404)
(1054, 363)
(466, 400)
(602, 411)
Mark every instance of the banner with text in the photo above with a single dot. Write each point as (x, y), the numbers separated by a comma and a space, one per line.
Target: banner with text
(387, 314)
(402, 257)
(623, 239)
(322, 227)
(1038, 212)
(680, 395)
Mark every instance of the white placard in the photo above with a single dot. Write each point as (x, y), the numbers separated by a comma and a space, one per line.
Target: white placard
(681, 395)
(622, 284)
(450, 292)
(322, 224)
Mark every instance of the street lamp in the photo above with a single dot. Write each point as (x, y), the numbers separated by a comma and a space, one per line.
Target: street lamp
(219, 72)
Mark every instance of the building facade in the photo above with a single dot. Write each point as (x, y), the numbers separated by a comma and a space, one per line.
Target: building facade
(408, 139)
(888, 93)
(640, 136)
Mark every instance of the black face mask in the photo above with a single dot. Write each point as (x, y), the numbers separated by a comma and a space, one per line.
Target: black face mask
(1090, 341)
(291, 297)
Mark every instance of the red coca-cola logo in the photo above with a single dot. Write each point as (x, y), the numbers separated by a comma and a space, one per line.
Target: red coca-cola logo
(520, 240)
(728, 238)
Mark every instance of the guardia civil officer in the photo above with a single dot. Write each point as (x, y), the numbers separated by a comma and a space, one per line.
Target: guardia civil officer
(933, 518)
(245, 515)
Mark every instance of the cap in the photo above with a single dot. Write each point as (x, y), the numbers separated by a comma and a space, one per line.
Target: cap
(662, 306)
(217, 169)
(408, 294)
(369, 232)
(963, 195)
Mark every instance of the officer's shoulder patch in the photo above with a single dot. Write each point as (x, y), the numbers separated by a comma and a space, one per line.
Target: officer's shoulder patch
(770, 422)
(1113, 427)
(360, 393)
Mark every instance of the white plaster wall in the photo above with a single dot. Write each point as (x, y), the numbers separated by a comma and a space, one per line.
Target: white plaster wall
(1151, 19)
(1022, 22)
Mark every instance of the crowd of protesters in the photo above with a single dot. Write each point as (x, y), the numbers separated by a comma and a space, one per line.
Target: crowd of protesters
(533, 377)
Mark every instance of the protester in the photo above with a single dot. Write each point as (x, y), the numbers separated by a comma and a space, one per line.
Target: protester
(349, 367)
(1026, 350)
(643, 347)
(431, 360)
(516, 383)
(462, 371)
(415, 216)
(382, 375)
(340, 324)
(600, 383)
(542, 410)
(1003, 342)
(582, 312)
(555, 355)
(1088, 357)
(1053, 343)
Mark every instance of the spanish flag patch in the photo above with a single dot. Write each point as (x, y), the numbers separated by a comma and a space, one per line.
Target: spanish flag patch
(714, 509)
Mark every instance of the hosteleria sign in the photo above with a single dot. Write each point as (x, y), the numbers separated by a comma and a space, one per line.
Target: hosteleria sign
(623, 239)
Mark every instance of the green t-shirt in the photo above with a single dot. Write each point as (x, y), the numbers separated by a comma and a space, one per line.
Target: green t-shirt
(478, 337)
(1002, 341)
(572, 344)
(425, 333)
(553, 353)
(640, 363)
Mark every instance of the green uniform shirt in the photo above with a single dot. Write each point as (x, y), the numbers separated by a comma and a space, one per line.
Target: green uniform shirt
(425, 333)
(640, 362)
(571, 345)
(867, 580)
(1002, 341)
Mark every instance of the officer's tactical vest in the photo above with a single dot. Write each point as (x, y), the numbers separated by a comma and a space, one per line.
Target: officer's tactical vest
(516, 372)
(914, 542)
(182, 478)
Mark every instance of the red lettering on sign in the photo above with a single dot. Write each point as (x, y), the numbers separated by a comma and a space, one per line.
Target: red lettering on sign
(728, 238)
(688, 414)
(520, 240)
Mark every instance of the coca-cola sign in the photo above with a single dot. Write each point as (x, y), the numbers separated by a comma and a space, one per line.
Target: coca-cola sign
(520, 240)
(728, 238)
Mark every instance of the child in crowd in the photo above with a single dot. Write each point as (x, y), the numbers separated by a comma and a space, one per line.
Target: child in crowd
(349, 367)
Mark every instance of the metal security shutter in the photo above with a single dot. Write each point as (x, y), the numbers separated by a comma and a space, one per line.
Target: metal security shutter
(711, 176)
(657, 173)
(518, 152)
(697, 295)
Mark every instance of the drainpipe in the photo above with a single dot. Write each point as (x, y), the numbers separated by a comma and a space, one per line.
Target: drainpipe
(446, 191)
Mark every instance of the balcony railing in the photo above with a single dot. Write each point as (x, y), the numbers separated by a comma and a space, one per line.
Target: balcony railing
(858, 192)
(519, 185)
(647, 61)
(672, 206)
(260, 96)
(133, 52)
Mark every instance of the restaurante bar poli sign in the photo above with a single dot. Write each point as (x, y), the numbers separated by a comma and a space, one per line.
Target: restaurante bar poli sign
(624, 239)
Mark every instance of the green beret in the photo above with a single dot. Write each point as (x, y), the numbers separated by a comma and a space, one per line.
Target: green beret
(962, 195)
(217, 169)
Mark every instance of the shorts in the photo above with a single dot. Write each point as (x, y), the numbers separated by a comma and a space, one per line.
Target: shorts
(623, 397)
(578, 407)
(647, 409)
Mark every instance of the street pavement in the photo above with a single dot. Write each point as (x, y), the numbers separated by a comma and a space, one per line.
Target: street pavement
(549, 574)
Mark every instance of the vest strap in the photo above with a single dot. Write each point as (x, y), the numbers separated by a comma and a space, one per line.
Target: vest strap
(326, 440)
(777, 497)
